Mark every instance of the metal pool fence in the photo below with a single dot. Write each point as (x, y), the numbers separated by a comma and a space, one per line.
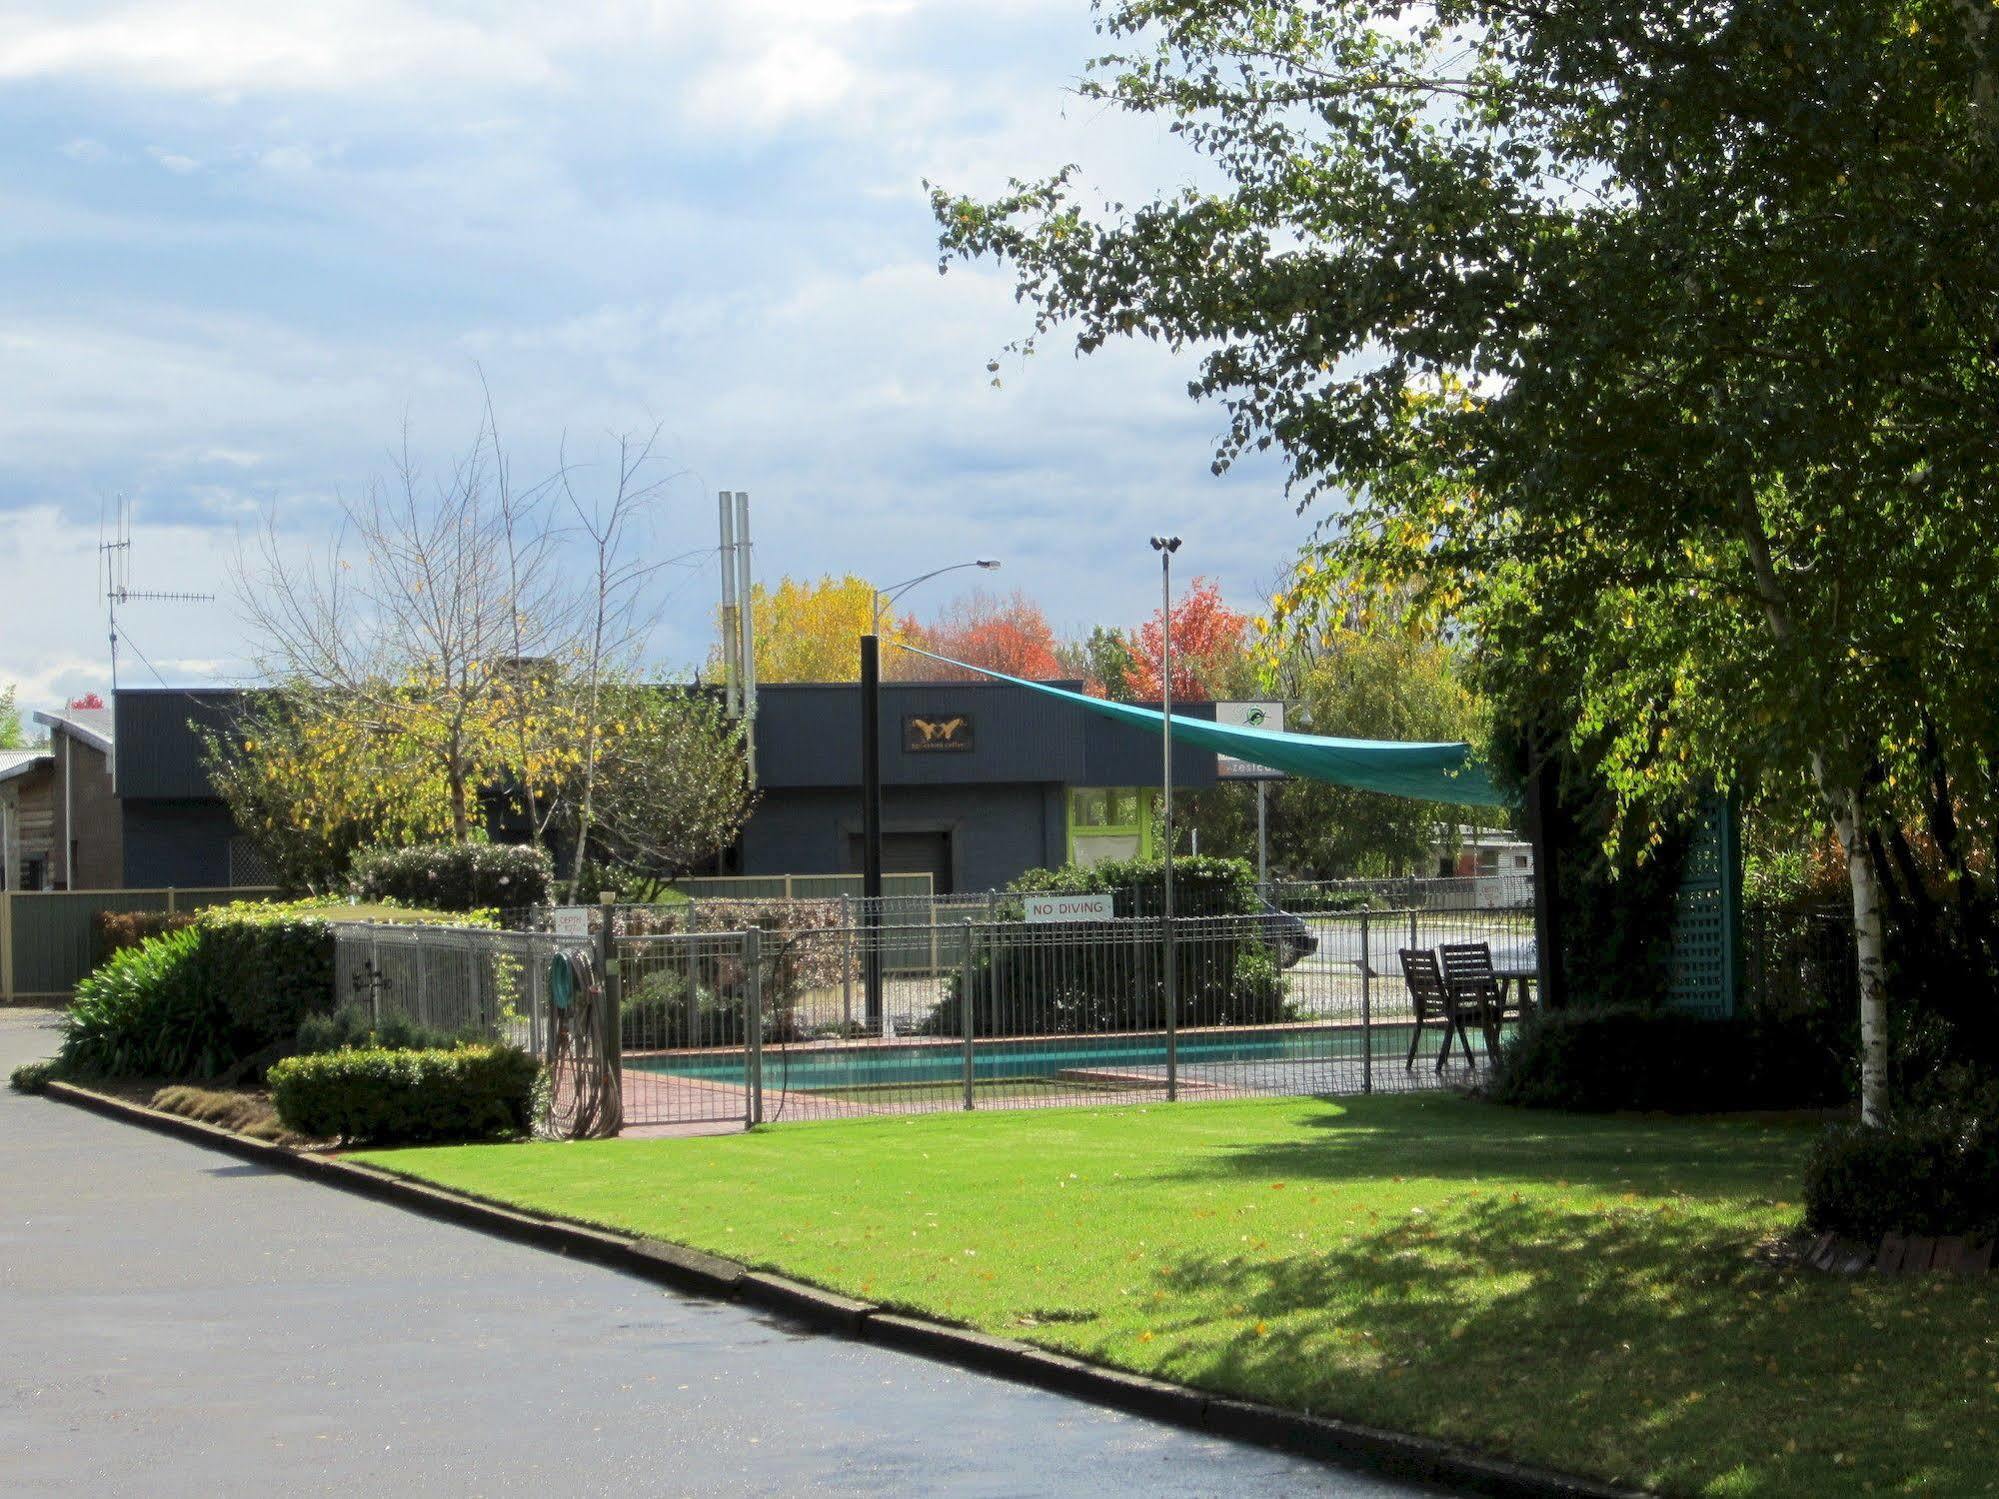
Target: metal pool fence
(768, 1021)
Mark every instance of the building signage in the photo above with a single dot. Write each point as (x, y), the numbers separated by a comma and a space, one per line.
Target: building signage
(1262, 715)
(1069, 908)
(936, 733)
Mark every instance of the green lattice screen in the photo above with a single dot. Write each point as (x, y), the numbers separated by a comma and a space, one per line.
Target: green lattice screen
(1707, 917)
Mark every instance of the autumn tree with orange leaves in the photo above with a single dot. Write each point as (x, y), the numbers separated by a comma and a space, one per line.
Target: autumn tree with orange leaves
(1009, 635)
(1210, 643)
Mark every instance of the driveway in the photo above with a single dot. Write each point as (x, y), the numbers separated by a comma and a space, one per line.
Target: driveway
(173, 1321)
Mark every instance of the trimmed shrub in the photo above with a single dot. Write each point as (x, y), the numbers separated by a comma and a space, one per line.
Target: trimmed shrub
(1930, 1175)
(1305, 900)
(455, 876)
(354, 1026)
(407, 1097)
(220, 993)
(1602, 1059)
(1202, 886)
(118, 930)
(32, 1077)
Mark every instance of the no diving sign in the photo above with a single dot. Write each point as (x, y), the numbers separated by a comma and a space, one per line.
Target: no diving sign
(1069, 908)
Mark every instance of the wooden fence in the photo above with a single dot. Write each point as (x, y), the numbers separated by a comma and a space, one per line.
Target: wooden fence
(48, 940)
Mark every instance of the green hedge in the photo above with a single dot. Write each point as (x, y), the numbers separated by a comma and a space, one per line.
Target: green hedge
(1602, 1059)
(406, 1097)
(1202, 886)
(1093, 980)
(354, 1027)
(1929, 1175)
(1305, 900)
(455, 876)
(199, 1001)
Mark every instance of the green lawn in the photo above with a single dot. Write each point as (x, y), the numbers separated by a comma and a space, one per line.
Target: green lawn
(1578, 1292)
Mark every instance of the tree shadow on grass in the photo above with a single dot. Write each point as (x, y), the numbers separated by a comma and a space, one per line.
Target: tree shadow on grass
(1359, 1139)
(1635, 1343)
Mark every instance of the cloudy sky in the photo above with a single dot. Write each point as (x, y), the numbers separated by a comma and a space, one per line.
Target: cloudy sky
(242, 245)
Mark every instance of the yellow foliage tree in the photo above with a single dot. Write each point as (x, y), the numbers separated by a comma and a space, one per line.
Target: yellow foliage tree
(810, 631)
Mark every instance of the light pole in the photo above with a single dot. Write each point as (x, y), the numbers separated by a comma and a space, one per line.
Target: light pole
(871, 783)
(1166, 546)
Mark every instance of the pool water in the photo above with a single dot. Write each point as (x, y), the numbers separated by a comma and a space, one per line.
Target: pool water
(809, 1069)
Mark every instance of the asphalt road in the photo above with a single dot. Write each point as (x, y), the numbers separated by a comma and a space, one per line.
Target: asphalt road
(173, 1321)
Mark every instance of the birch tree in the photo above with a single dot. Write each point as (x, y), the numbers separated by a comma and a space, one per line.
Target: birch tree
(1657, 337)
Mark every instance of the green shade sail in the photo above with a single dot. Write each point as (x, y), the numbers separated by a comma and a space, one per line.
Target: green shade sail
(1426, 772)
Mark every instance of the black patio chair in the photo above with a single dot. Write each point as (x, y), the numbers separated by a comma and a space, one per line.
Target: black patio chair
(1430, 997)
(1475, 987)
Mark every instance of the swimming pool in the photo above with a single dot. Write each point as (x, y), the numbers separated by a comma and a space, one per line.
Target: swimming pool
(1217, 1055)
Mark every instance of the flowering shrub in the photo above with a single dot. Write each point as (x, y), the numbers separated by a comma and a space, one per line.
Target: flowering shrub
(455, 876)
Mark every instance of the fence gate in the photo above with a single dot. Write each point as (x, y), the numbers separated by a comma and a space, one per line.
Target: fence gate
(691, 1025)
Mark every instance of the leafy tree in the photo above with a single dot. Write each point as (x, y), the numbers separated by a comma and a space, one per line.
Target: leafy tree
(1010, 635)
(811, 631)
(1653, 344)
(673, 792)
(12, 736)
(1102, 659)
(312, 785)
(1210, 648)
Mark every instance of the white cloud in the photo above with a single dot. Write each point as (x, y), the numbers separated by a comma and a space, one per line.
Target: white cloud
(173, 161)
(701, 214)
(251, 47)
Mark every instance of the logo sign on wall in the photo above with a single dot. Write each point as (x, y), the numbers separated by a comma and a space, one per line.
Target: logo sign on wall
(1069, 908)
(937, 733)
(1263, 715)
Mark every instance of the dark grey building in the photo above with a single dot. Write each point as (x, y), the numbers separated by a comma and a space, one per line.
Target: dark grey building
(176, 830)
(980, 780)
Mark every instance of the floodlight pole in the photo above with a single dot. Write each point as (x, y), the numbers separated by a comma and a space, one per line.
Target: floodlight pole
(1166, 546)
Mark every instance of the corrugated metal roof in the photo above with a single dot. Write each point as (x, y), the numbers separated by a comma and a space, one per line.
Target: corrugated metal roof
(19, 762)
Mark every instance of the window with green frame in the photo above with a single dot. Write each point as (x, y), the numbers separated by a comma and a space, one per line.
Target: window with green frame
(1107, 809)
(1110, 822)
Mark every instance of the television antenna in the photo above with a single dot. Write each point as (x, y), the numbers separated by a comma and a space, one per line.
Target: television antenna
(115, 560)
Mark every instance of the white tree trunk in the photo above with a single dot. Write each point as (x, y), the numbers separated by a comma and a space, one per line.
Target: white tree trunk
(1869, 945)
(1871, 955)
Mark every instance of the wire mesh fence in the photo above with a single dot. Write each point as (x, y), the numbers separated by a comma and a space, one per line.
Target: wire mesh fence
(464, 981)
(770, 1010)
(1012, 1014)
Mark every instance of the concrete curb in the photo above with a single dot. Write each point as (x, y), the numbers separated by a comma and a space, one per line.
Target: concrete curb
(1388, 1452)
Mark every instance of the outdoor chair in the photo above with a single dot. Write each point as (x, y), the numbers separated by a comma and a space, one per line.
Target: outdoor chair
(1473, 986)
(1433, 1003)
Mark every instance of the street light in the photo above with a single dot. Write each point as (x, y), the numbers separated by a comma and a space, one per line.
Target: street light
(871, 781)
(1166, 546)
(886, 596)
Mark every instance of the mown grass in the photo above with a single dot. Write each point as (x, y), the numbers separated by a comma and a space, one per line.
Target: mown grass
(1585, 1293)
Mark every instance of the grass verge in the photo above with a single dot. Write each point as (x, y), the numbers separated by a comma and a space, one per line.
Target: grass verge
(1582, 1293)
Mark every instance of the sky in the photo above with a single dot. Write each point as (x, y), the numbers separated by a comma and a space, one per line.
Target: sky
(245, 248)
